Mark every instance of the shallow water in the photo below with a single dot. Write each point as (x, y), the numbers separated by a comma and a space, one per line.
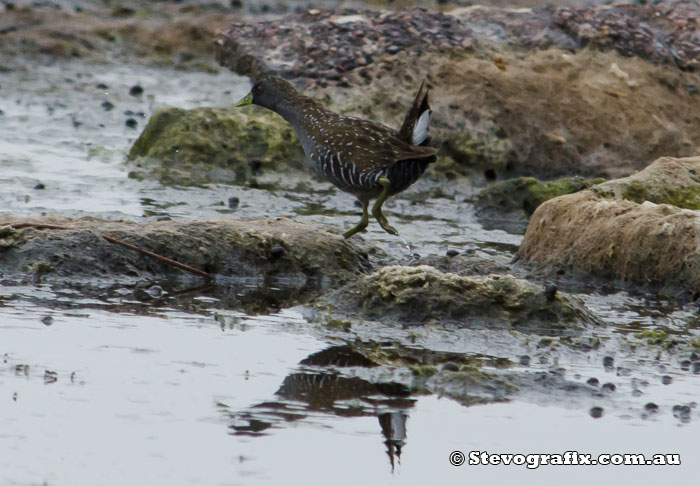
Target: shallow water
(184, 390)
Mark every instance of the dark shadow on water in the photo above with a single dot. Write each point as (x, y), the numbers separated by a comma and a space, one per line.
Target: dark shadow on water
(306, 394)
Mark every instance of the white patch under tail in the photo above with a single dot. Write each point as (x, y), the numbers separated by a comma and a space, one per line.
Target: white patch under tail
(420, 129)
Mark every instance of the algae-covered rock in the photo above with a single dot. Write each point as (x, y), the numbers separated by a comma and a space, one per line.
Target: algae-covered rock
(298, 254)
(645, 244)
(471, 151)
(524, 194)
(214, 145)
(666, 181)
(419, 295)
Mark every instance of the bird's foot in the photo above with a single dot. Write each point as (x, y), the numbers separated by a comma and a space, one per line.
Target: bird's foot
(377, 208)
(384, 223)
(354, 230)
(361, 225)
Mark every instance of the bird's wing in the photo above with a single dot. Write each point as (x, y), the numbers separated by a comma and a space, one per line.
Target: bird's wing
(376, 146)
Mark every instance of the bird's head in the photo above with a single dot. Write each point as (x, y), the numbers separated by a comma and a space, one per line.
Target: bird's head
(270, 92)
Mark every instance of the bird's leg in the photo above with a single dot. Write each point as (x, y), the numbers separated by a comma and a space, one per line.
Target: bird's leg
(363, 222)
(377, 208)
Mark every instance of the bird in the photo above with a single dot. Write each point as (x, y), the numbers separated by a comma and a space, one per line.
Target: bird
(366, 159)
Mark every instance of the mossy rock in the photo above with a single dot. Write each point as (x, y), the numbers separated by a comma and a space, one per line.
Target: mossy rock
(301, 255)
(486, 153)
(525, 194)
(666, 181)
(652, 246)
(424, 295)
(229, 145)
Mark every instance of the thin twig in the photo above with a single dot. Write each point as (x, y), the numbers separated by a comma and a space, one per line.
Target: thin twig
(163, 259)
(112, 239)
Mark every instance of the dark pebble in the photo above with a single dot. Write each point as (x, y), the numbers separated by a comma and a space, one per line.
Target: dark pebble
(233, 202)
(608, 361)
(651, 407)
(609, 387)
(131, 123)
(136, 90)
(392, 49)
(108, 106)
(277, 252)
(255, 165)
(524, 360)
(47, 320)
(129, 113)
(593, 381)
(450, 367)
(102, 86)
(550, 292)
(40, 186)
(452, 253)
(696, 367)
(666, 380)
(694, 356)
(685, 364)
(543, 360)
(596, 412)
(637, 393)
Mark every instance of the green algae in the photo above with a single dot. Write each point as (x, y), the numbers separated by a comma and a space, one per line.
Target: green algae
(191, 147)
(527, 193)
(666, 181)
(424, 295)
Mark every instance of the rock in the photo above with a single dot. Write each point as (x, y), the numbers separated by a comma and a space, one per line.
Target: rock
(303, 255)
(645, 244)
(523, 195)
(423, 294)
(202, 145)
(136, 90)
(666, 181)
(466, 264)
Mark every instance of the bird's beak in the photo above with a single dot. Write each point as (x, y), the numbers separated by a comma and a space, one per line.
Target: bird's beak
(246, 101)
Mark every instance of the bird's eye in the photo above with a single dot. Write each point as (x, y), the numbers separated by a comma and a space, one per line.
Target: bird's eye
(258, 90)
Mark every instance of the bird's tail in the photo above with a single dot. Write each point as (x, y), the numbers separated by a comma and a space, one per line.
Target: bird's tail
(414, 129)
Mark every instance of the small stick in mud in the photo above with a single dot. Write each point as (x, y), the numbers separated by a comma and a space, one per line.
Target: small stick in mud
(117, 241)
(163, 259)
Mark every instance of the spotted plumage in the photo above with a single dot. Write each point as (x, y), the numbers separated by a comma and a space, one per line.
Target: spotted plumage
(363, 158)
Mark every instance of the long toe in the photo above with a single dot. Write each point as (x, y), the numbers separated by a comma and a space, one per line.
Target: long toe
(388, 228)
(354, 230)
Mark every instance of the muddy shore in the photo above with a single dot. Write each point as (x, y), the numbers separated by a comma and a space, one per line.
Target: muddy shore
(547, 257)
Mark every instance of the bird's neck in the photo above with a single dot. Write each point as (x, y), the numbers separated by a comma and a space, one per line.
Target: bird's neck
(298, 111)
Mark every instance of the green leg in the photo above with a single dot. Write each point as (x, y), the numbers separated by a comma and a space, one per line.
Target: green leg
(377, 208)
(362, 224)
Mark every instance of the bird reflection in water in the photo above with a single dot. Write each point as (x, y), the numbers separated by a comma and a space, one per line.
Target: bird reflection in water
(394, 430)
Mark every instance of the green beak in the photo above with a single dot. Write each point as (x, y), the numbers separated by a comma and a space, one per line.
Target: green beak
(246, 101)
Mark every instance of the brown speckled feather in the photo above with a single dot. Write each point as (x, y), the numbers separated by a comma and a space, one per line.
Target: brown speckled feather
(350, 152)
